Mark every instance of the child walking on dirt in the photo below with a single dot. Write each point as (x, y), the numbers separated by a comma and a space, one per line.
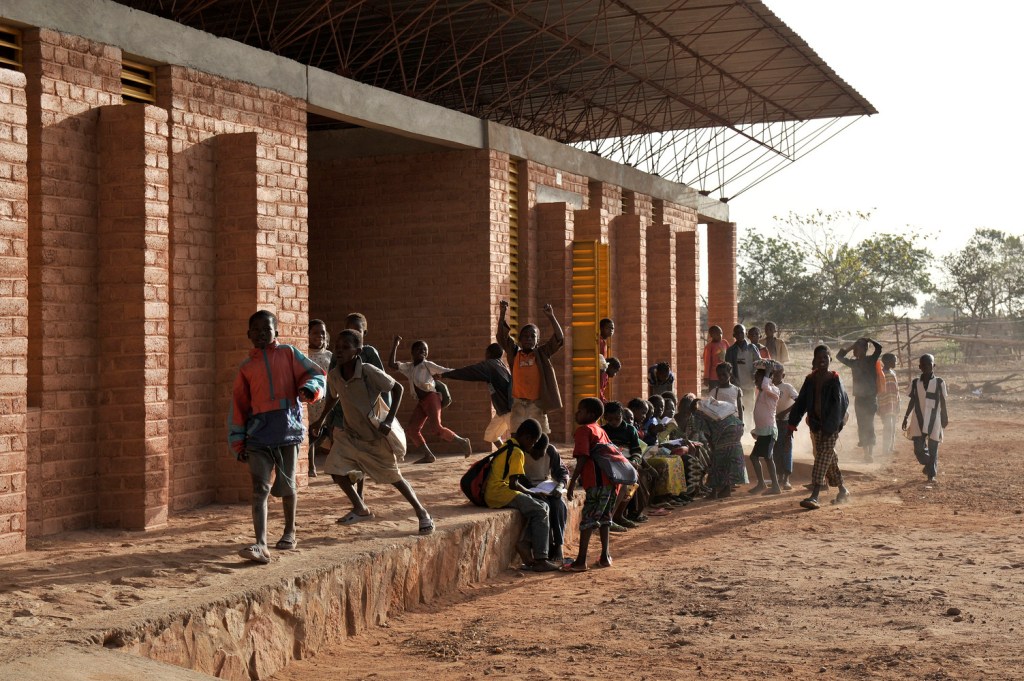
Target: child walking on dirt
(782, 453)
(928, 407)
(765, 430)
(265, 425)
(362, 448)
(824, 400)
(421, 372)
(865, 389)
(600, 501)
(889, 403)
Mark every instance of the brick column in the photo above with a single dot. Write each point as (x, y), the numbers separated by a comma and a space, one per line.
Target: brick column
(13, 310)
(661, 297)
(555, 227)
(722, 276)
(131, 432)
(245, 275)
(689, 333)
(629, 252)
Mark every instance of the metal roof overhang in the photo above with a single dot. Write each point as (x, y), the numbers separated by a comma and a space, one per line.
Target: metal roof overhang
(608, 76)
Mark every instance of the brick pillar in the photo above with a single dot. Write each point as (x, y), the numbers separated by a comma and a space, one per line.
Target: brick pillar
(629, 252)
(722, 276)
(555, 226)
(245, 275)
(13, 310)
(661, 297)
(131, 432)
(689, 333)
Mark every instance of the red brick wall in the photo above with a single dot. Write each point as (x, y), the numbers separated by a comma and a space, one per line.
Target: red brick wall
(629, 249)
(202, 107)
(13, 310)
(133, 309)
(67, 78)
(689, 370)
(722, 278)
(419, 245)
(661, 296)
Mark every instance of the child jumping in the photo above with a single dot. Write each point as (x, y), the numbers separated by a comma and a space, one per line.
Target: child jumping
(361, 448)
(495, 374)
(928, 405)
(600, 501)
(265, 425)
(421, 372)
(534, 384)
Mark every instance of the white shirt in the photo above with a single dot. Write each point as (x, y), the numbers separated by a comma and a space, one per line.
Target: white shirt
(928, 396)
(422, 375)
(727, 394)
(764, 407)
(787, 397)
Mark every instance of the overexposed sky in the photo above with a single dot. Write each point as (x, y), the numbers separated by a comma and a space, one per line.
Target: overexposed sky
(943, 154)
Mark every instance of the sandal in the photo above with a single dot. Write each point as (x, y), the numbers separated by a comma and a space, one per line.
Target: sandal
(256, 554)
(427, 525)
(658, 511)
(810, 503)
(286, 544)
(841, 499)
(351, 518)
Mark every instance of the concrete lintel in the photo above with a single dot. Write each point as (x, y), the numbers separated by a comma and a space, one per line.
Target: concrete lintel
(523, 144)
(373, 107)
(161, 40)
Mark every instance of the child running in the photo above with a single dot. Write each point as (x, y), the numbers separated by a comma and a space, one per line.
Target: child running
(420, 372)
(765, 430)
(362, 447)
(783, 450)
(534, 385)
(928, 405)
(824, 400)
(495, 374)
(265, 425)
(600, 500)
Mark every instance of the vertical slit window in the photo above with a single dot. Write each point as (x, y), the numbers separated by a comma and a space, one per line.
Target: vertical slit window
(513, 243)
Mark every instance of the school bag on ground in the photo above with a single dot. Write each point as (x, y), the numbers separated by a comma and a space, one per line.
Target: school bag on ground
(611, 466)
(474, 481)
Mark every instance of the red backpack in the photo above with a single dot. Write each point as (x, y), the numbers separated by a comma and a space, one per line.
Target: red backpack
(474, 481)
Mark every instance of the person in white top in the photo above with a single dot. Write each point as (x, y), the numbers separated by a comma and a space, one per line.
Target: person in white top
(421, 372)
(765, 431)
(782, 453)
(726, 390)
(928, 407)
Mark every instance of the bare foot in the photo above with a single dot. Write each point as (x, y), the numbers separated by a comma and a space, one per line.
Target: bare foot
(756, 488)
(426, 458)
(605, 562)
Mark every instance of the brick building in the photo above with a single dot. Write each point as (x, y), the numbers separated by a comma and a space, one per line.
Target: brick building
(158, 184)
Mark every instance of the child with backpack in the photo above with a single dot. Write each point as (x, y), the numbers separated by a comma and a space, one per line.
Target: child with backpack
(506, 486)
(928, 406)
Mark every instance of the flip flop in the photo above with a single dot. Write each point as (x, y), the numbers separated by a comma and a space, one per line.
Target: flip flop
(654, 510)
(572, 567)
(286, 544)
(351, 518)
(811, 504)
(427, 525)
(256, 554)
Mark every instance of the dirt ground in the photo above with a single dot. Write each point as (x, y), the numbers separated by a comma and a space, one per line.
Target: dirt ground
(910, 581)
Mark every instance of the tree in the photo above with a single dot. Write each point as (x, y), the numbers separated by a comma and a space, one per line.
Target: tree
(985, 279)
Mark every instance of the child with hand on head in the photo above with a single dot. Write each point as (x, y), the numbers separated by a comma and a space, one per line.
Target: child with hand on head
(319, 341)
(782, 453)
(928, 408)
(362, 448)
(265, 425)
(600, 501)
(421, 372)
(765, 430)
(889, 403)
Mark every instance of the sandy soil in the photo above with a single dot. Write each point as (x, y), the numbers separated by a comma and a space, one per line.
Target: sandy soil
(909, 581)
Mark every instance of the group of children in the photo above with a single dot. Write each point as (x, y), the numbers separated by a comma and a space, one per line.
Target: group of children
(680, 449)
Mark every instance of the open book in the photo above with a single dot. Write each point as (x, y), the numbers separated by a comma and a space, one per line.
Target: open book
(546, 487)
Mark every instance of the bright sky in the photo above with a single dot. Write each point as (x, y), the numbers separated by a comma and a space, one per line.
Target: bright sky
(943, 154)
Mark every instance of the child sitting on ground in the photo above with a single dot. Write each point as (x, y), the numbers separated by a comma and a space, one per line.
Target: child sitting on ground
(653, 425)
(765, 431)
(889, 403)
(319, 341)
(928, 406)
(421, 372)
(600, 494)
(499, 383)
(782, 453)
(265, 425)
(629, 509)
(507, 487)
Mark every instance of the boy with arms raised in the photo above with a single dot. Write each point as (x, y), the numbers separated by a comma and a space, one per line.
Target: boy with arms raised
(265, 425)
(534, 385)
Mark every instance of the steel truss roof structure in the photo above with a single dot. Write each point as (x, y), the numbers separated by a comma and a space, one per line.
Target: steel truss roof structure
(716, 94)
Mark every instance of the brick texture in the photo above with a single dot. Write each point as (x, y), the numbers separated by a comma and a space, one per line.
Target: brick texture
(722, 277)
(690, 369)
(629, 250)
(133, 308)
(13, 310)
(661, 297)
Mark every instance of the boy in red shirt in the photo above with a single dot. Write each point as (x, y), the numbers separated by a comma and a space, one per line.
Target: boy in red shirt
(600, 501)
(714, 354)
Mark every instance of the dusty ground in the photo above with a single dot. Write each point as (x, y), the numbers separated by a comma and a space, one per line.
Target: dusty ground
(909, 581)
(743, 587)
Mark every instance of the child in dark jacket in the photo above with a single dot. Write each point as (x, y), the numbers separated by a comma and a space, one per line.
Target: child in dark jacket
(495, 374)
(824, 400)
